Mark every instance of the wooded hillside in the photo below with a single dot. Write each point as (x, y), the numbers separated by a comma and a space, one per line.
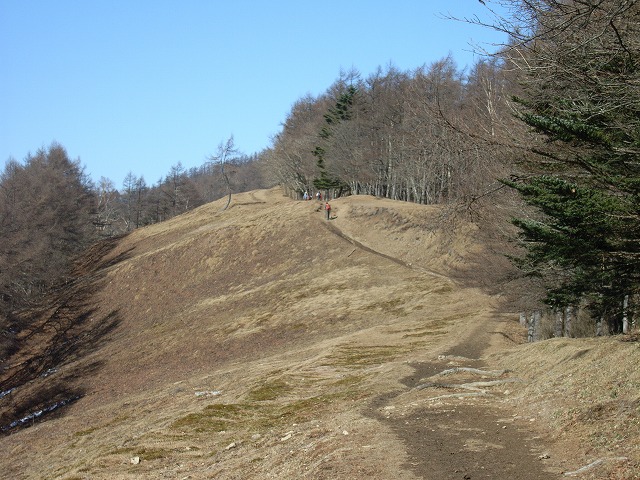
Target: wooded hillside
(553, 115)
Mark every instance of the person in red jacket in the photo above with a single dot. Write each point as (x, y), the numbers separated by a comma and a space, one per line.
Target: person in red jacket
(327, 207)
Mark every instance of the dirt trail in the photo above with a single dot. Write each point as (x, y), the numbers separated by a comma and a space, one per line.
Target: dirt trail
(460, 435)
(333, 229)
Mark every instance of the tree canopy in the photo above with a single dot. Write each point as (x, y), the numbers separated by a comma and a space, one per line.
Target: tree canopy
(46, 207)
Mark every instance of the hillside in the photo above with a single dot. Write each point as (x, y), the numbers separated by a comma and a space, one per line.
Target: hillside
(264, 341)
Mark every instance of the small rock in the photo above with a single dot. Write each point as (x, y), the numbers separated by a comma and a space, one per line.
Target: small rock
(135, 460)
(344, 432)
(231, 445)
(544, 456)
(286, 437)
(209, 393)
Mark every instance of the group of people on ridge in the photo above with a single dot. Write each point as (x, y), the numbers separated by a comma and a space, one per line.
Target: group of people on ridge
(327, 207)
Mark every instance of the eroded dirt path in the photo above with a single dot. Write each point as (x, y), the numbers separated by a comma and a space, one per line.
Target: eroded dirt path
(459, 436)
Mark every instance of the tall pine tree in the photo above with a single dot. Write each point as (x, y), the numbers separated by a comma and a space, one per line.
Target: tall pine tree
(341, 112)
(582, 69)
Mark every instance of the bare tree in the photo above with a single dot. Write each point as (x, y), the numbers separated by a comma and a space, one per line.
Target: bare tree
(225, 153)
(128, 189)
(106, 207)
(290, 161)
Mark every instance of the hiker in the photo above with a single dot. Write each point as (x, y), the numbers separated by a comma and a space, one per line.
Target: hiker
(318, 196)
(306, 195)
(327, 207)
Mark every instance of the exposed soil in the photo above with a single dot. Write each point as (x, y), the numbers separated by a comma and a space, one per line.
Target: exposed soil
(263, 341)
(460, 437)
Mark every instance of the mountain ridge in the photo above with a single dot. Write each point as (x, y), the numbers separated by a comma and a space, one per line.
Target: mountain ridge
(264, 340)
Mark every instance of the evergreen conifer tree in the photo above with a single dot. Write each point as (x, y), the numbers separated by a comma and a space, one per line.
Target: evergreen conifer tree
(581, 94)
(341, 112)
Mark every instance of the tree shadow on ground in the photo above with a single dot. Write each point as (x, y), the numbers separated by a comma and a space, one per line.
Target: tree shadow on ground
(45, 373)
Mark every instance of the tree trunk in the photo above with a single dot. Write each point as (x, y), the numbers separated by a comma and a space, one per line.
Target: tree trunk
(568, 319)
(599, 324)
(534, 326)
(625, 314)
(559, 323)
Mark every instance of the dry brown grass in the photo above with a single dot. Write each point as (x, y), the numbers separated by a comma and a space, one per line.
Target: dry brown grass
(257, 342)
(586, 392)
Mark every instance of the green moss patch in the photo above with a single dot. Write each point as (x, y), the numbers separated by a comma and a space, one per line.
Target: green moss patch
(269, 390)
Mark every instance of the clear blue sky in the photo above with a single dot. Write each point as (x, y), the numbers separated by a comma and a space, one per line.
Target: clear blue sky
(140, 85)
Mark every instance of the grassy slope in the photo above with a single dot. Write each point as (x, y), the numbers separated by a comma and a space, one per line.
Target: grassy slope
(248, 342)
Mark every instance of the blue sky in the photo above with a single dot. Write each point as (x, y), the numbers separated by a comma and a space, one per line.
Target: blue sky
(140, 85)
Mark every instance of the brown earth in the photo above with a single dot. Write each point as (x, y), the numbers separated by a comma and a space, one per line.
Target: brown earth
(264, 341)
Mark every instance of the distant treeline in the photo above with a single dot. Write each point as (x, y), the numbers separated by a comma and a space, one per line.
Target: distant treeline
(138, 204)
(433, 135)
(50, 211)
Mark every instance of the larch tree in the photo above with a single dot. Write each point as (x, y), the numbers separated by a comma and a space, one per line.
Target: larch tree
(226, 152)
(47, 215)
